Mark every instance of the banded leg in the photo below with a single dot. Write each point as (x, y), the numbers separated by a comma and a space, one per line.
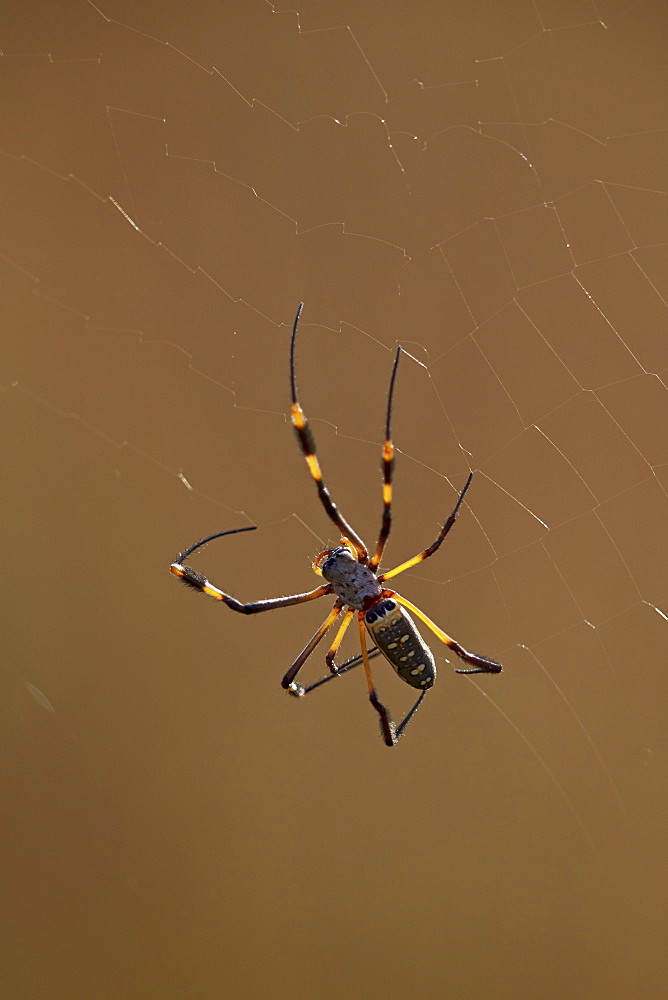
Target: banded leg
(429, 551)
(307, 444)
(331, 653)
(480, 664)
(389, 732)
(197, 581)
(388, 470)
(311, 644)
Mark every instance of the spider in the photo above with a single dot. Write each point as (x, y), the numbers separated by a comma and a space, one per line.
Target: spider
(351, 574)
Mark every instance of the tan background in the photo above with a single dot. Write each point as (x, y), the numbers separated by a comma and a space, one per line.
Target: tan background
(486, 185)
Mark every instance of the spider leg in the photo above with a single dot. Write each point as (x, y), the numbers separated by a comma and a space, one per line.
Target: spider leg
(401, 728)
(209, 538)
(429, 551)
(387, 729)
(307, 444)
(388, 469)
(298, 690)
(311, 644)
(390, 733)
(480, 664)
(331, 653)
(197, 581)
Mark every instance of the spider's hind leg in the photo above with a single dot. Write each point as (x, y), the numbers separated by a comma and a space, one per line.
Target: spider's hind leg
(298, 690)
(410, 714)
(391, 734)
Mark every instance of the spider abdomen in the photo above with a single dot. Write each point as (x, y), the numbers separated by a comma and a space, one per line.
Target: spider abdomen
(395, 634)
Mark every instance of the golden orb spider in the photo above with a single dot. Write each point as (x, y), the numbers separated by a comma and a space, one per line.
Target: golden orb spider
(354, 578)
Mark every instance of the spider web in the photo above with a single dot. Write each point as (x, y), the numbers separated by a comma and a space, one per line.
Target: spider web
(484, 186)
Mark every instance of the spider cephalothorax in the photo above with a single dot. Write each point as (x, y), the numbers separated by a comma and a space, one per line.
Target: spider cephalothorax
(353, 577)
(352, 581)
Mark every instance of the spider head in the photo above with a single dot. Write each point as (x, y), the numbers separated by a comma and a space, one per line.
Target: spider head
(344, 550)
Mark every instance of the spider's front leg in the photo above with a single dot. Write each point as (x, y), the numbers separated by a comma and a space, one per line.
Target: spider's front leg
(197, 581)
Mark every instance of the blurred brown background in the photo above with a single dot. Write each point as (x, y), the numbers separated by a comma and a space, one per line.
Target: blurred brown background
(484, 184)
